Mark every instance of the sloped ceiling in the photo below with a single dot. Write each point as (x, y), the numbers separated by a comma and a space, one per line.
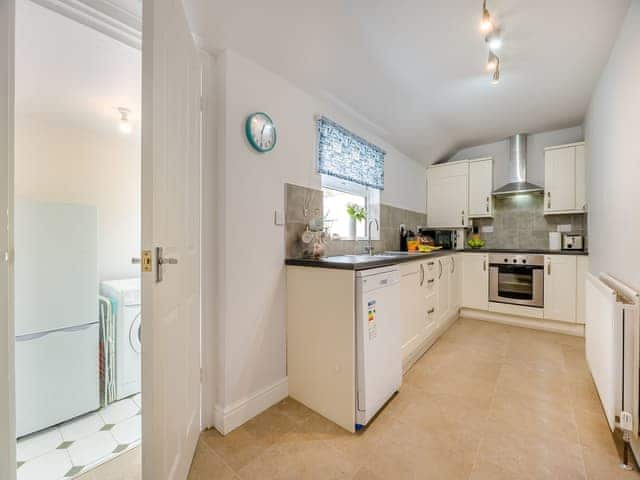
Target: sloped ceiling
(415, 68)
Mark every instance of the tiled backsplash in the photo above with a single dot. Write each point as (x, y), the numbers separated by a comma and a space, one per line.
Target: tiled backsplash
(303, 203)
(519, 222)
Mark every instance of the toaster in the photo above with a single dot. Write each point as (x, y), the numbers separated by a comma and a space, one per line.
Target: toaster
(572, 241)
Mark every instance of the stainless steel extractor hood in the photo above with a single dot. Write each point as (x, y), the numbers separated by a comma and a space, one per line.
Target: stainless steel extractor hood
(518, 169)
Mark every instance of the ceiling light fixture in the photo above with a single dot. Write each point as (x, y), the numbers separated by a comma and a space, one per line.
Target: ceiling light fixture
(125, 125)
(495, 78)
(487, 24)
(494, 40)
(492, 61)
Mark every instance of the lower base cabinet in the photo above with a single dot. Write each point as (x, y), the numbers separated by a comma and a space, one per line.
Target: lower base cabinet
(475, 280)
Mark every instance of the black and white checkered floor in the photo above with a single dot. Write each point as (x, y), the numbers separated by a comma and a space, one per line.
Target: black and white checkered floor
(71, 448)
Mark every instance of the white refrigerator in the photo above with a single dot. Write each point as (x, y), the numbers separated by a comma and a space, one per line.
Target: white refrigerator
(56, 313)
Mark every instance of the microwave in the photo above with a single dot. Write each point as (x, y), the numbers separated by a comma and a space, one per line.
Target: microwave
(447, 239)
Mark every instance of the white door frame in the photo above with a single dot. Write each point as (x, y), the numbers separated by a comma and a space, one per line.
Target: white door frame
(7, 99)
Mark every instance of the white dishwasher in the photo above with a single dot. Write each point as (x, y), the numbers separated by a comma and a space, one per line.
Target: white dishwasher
(378, 340)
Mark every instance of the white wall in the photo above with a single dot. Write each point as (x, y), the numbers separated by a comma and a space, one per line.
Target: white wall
(64, 163)
(252, 291)
(612, 129)
(536, 144)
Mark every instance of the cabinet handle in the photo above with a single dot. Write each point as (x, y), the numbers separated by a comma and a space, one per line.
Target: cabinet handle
(548, 199)
(440, 272)
(453, 264)
(431, 280)
(549, 268)
(431, 264)
(431, 311)
(487, 204)
(463, 217)
(484, 266)
(421, 274)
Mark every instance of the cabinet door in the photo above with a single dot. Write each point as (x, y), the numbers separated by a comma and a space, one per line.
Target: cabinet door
(410, 312)
(560, 180)
(429, 297)
(444, 289)
(455, 280)
(475, 281)
(560, 288)
(581, 179)
(581, 277)
(447, 196)
(480, 188)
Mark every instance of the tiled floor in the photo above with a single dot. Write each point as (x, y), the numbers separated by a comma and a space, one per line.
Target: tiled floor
(68, 449)
(486, 402)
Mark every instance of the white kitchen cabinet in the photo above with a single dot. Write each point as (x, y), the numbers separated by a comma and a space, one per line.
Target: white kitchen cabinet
(445, 306)
(582, 268)
(455, 280)
(564, 179)
(480, 188)
(560, 296)
(411, 304)
(447, 195)
(475, 280)
(429, 297)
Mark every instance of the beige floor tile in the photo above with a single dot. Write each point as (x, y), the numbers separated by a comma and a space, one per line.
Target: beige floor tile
(208, 465)
(127, 466)
(600, 466)
(238, 448)
(594, 432)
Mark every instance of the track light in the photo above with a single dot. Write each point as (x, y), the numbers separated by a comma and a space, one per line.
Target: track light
(494, 40)
(495, 78)
(125, 125)
(492, 62)
(486, 25)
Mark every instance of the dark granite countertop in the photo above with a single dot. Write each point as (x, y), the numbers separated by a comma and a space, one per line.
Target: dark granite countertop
(365, 262)
(524, 250)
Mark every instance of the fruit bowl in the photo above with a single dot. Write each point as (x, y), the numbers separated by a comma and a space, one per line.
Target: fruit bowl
(475, 243)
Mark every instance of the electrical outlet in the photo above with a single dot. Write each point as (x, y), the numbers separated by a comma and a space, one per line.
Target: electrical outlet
(487, 229)
(564, 228)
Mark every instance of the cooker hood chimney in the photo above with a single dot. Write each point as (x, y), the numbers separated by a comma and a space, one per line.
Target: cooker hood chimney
(518, 169)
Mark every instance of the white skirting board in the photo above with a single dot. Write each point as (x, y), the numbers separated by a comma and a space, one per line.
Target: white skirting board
(233, 416)
(565, 328)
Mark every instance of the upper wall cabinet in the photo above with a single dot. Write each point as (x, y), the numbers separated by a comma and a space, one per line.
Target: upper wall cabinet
(564, 179)
(447, 195)
(480, 187)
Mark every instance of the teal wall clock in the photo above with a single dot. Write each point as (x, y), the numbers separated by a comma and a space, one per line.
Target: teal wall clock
(261, 132)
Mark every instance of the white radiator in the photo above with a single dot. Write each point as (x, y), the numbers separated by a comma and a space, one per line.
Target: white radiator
(612, 342)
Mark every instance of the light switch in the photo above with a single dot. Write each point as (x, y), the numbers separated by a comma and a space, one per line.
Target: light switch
(278, 217)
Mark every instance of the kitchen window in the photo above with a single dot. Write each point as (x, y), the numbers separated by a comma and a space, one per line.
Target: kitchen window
(352, 172)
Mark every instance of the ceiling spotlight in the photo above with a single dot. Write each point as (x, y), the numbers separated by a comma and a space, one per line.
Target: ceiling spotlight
(492, 62)
(494, 40)
(495, 78)
(486, 25)
(125, 125)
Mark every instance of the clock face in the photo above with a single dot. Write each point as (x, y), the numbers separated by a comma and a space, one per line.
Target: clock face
(261, 132)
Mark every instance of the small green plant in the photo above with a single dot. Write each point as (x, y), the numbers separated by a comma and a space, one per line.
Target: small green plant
(356, 212)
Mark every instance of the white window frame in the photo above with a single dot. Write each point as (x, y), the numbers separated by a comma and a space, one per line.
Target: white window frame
(372, 201)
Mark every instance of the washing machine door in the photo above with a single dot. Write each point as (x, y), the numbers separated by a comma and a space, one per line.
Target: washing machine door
(135, 334)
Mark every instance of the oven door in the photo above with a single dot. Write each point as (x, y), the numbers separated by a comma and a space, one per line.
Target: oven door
(517, 284)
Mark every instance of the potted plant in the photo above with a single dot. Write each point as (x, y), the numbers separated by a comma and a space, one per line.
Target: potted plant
(356, 213)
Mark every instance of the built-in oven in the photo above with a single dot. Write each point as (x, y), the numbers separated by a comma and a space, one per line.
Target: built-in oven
(516, 279)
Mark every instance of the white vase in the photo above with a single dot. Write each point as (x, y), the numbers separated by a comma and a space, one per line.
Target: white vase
(352, 228)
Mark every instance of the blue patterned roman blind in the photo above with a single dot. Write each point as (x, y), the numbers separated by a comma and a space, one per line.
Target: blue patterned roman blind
(344, 155)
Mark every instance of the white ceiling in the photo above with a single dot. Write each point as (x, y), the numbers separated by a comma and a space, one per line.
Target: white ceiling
(68, 72)
(416, 67)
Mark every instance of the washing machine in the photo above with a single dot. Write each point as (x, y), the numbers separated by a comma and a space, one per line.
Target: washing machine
(125, 298)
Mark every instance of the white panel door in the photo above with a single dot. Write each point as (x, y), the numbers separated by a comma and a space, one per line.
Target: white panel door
(171, 205)
(560, 180)
(560, 296)
(7, 415)
(475, 280)
(480, 188)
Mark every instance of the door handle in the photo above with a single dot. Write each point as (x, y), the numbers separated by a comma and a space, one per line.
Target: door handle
(161, 260)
